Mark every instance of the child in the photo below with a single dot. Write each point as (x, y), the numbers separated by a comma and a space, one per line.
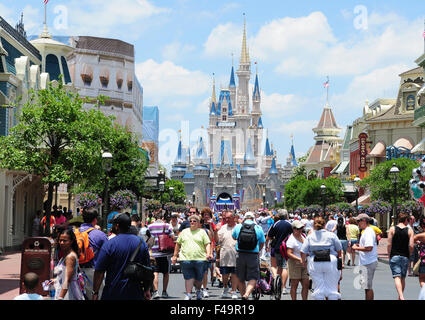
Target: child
(30, 283)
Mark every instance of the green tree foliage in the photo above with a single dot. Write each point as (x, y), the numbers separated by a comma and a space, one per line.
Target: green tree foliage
(380, 184)
(58, 140)
(301, 192)
(177, 195)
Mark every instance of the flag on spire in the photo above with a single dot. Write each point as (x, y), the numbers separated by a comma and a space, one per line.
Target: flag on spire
(326, 84)
(46, 1)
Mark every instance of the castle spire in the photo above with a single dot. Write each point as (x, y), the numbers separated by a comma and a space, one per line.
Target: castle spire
(213, 98)
(244, 52)
(256, 95)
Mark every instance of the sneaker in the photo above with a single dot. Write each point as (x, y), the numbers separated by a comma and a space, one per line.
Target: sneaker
(164, 294)
(198, 295)
(225, 293)
(188, 296)
(155, 295)
(235, 296)
(205, 293)
(284, 291)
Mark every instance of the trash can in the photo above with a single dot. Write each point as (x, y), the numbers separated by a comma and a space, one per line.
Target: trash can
(36, 257)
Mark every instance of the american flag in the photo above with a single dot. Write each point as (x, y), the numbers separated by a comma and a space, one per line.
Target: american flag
(46, 1)
(326, 84)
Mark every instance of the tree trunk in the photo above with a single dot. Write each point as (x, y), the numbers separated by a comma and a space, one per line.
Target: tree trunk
(48, 209)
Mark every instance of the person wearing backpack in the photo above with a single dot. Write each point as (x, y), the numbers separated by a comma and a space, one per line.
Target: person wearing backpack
(277, 234)
(250, 240)
(96, 240)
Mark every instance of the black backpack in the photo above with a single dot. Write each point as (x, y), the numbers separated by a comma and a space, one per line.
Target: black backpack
(247, 239)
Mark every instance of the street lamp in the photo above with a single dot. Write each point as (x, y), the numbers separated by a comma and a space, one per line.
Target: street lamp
(193, 198)
(275, 202)
(171, 189)
(323, 193)
(356, 183)
(394, 173)
(264, 199)
(107, 166)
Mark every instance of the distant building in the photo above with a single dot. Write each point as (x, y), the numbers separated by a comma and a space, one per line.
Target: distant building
(151, 137)
(231, 171)
(324, 156)
(102, 66)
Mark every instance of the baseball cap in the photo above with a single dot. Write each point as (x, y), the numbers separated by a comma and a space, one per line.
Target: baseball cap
(249, 215)
(362, 216)
(122, 219)
(297, 224)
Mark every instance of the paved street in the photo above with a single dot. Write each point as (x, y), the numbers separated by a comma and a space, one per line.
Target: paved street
(383, 284)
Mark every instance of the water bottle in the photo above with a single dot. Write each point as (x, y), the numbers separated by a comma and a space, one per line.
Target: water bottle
(52, 292)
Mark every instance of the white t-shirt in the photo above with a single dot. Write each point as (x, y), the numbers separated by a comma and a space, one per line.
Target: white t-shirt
(29, 296)
(295, 245)
(368, 239)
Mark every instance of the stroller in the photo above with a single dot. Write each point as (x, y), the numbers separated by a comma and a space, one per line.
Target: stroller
(266, 285)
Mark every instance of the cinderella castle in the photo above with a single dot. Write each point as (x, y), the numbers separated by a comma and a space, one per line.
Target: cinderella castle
(238, 168)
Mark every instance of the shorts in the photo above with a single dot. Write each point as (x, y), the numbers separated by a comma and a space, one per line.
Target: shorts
(353, 241)
(280, 260)
(370, 273)
(247, 266)
(344, 244)
(192, 269)
(296, 271)
(422, 268)
(162, 265)
(227, 270)
(399, 266)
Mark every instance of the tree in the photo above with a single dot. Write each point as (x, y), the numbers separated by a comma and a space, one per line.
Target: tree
(62, 143)
(177, 195)
(302, 192)
(380, 184)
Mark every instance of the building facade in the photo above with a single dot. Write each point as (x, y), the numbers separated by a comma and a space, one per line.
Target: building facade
(229, 169)
(324, 156)
(22, 68)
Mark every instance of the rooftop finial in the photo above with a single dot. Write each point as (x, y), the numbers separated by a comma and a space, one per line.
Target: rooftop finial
(244, 53)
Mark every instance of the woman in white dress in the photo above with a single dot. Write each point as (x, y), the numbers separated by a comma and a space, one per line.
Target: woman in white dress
(323, 249)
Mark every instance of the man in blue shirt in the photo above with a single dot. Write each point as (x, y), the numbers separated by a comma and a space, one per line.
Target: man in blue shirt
(114, 257)
(247, 260)
(277, 233)
(96, 239)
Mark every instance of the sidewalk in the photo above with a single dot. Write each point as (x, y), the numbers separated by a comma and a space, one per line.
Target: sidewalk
(10, 268)
(382, 251)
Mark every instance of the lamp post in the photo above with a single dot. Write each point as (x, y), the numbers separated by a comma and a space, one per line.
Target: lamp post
(275, 202)
(193, 198)
(171, 189)
(323, 193)
(264, 199)
(394, 173)
(107, 166)
(356, 184)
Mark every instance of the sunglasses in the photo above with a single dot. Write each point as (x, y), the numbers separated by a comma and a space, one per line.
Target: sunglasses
(193, 221)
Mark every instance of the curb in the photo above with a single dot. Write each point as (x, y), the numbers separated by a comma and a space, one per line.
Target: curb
(384, 260)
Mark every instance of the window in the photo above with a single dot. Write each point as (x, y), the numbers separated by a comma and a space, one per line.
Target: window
(66, 74)
(52, 67)
(224, 118)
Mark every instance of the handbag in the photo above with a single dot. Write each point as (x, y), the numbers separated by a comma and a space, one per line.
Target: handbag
(138, 272)
(322, 255)
(165, 242)
(416, 267)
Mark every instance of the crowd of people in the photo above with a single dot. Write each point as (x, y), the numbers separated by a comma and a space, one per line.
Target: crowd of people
(226, 248)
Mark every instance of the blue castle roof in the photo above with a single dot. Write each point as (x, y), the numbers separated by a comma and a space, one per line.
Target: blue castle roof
(256, 94)
(224, 97)
(273, 169)
(232, 83)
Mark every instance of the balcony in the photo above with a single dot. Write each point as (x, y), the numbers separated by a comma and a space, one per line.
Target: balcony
(419, 117)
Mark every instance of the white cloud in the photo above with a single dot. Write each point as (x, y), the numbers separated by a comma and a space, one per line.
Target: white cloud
(298, 127)
(104, 18)
(306, 46)
(169, 80)
(224, 40)
(175, 51)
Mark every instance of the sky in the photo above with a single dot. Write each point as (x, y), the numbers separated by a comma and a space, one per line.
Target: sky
(362, 46)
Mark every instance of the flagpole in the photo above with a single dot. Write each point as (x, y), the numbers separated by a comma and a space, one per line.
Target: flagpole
(327, 93)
